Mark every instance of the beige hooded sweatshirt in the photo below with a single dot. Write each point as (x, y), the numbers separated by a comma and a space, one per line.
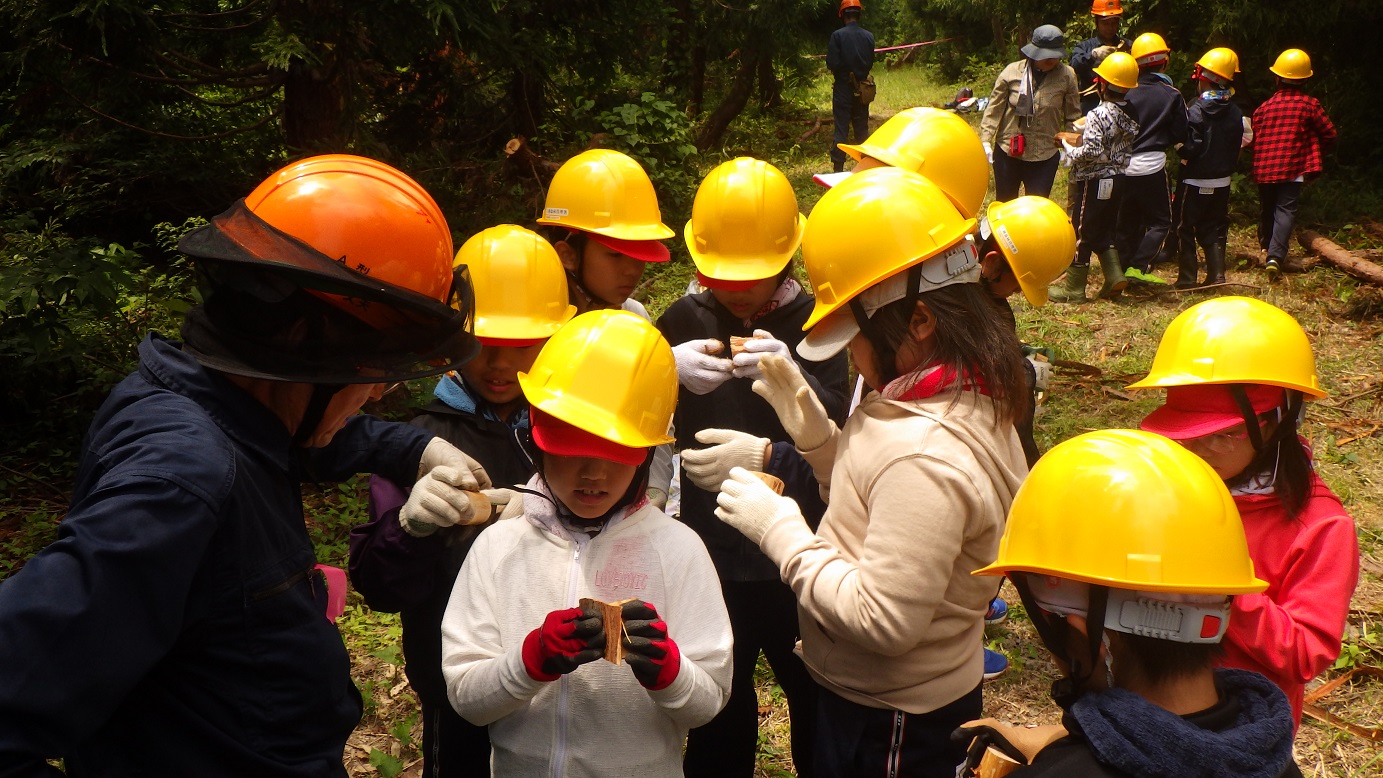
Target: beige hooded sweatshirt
(919, 491)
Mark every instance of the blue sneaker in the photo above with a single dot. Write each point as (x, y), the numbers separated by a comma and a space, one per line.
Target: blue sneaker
(995, 664)
(998, 611)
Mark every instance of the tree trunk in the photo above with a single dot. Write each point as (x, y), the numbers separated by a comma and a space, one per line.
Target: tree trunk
(1332, 253)
(527, 102)
(315, 95)
(697, 78)
(770, 87)
(730, 107)
(314, 108)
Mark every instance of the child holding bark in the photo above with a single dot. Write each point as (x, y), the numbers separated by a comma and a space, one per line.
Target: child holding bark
(519, 646)
(406, 558)
(744, 230)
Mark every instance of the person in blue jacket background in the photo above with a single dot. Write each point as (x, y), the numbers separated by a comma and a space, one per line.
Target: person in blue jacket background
(177, 625)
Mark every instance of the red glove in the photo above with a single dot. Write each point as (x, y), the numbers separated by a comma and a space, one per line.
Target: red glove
(568, 639)
(651, 654)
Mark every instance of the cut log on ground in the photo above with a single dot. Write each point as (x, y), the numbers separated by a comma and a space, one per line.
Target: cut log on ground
(520, 153)
(1362, 269)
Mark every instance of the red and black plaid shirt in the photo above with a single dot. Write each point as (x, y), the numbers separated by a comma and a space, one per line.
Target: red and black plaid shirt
(1290, 134)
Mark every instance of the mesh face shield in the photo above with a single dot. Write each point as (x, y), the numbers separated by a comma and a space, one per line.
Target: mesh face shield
(276, 308)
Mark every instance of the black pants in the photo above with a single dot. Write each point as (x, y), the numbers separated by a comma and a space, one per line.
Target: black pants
(763, 617)
(1277, 214)
(1204, 216)
(452, 746)
(1097, 215)
(1145, 217)
(855, 741)
(1034, 177)
(849, 114)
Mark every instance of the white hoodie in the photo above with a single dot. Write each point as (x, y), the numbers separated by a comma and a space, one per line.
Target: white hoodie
(597, 720)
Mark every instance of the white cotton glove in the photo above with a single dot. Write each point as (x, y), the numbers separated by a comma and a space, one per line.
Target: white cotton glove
(1098, 54)
(504, 503)
(441, 499)
(440, 453)
(708, 467)
(697, 370)
(1042, 373)
(798, 409)
(988, 150)
(756, 348)
(748, 505)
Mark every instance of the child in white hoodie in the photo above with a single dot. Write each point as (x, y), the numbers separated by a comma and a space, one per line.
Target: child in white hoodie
(519, 649)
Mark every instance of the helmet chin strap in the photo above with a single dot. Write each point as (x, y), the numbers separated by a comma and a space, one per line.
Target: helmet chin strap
(313, 413)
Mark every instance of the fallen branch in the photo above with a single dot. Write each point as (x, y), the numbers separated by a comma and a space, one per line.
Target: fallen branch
(1203, 287)
(812, 131)
(1362, 269)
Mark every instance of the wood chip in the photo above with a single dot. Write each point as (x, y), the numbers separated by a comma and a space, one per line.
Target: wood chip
(612, 615)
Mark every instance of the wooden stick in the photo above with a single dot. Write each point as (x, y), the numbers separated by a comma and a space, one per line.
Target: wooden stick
(1362, 269)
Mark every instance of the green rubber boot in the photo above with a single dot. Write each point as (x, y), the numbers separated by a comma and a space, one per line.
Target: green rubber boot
(1114, 280)
(1072, 287)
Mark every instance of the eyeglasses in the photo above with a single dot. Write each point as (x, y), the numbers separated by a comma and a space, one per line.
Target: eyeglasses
(1224, 441)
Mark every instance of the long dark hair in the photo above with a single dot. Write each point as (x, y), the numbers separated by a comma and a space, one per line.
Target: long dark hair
(971, 337)
(1284, 455)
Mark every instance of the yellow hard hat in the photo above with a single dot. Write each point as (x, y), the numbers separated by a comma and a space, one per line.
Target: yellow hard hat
(609, 373)
(1107, 8)
(520, 286)
(607, 193)
(744, 225)
(1221, 62)
(1036, 238)
(937, 144)
(1120, 70)
(871, 226)
(1149, 48)
(1234, 340)
(1294, 64)
(1151, 516)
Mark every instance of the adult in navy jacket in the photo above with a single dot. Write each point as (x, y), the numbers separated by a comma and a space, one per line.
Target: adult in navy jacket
(176, 627)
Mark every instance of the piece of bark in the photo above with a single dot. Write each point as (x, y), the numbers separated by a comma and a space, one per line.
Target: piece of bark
(480, 507)
(612, 616)
(1362, 269)
(995, 764)
(774, 482)
(737, 344)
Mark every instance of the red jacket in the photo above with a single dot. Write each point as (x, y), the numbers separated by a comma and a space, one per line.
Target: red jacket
(1290, 135)
(1292, 631)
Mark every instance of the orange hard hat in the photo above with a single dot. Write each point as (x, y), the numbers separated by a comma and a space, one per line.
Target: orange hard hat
(368, 216)
(1107, 8)
(847, 4)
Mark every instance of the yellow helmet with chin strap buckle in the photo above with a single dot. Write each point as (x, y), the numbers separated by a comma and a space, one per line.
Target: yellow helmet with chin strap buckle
(934, 143)
(1221, 62)
(1234, 340)
(1149, 49)
(1037, 240)
(609, 373)
(745, 224)
(520, 286)
(872, 226)
(1151, 516)
(1119, 70)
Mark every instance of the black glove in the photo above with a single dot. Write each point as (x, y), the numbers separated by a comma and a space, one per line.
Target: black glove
(652, 655)
(567, 639)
